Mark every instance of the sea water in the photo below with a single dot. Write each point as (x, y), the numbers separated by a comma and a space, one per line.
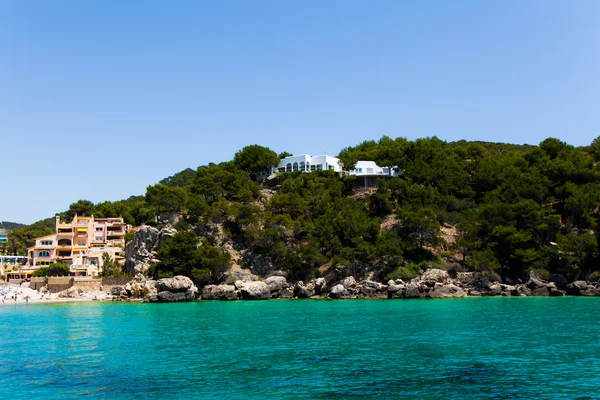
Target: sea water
(502, 348)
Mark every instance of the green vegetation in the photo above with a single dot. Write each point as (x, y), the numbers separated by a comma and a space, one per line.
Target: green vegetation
(56, 269)
(111, 268)
(511, 209)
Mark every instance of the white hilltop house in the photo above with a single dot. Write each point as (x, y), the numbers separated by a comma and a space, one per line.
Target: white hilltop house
(308, 163)
(369, 171)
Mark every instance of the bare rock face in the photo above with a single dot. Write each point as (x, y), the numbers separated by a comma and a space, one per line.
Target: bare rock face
(219, 292)
(140, 253)
(254, 291)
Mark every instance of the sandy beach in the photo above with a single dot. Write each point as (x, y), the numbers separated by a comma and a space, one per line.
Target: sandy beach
(12, 294)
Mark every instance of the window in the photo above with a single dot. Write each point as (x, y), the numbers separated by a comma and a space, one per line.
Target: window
(64, 253)
(98, 238)
(313, 167)
(301, 165)
(46, 242)
(295, 166)
(319, 167)
(99, 229)
(288, 167)
(307, 166)
(282, 169)
(81, 244)
(331, 167)
(44, 254)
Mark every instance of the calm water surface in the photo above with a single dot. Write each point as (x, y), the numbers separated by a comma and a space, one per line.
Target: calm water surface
(505, 348)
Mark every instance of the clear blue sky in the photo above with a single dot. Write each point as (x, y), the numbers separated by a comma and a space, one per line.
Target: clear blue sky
(99, 99)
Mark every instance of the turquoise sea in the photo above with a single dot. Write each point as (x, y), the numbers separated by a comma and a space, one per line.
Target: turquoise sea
(501, 348)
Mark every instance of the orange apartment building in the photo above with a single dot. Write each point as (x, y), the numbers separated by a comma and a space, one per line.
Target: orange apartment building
(79, 244)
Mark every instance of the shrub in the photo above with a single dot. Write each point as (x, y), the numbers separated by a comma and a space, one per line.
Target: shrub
(404, 273)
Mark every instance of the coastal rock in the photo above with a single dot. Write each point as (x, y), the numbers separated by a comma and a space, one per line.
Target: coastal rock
(577, 288)
(349, 283)
(559, 280)
(219, 292)
(494, 289)
(434, 275)
(166, 297)
(412, 291)
(373, 290)
(320, 285)
(255, 291)
(177, 284)
(447, 291)
(139, 287)
(115, 290)
(276, 283)
(71, 293)
(303, 292)
(338, 291)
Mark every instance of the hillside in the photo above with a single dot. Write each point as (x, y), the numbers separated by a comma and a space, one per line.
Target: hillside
(10, 225)
(495, 208)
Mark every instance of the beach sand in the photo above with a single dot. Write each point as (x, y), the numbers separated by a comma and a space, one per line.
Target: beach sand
(25, 295)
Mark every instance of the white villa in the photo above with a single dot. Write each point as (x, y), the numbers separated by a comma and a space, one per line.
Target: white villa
(308, 163)
(369, 171)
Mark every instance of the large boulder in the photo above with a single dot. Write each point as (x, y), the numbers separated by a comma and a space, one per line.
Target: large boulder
(139, 287)
(219, 292)
(434, 275)
(276, 283)
(338, 291)
(72, 293)
(320, 285)
(446, 291)
(373, 290)
(177, 284)
(302, 291)
(178, 288)
(577, 288)
(255, 291)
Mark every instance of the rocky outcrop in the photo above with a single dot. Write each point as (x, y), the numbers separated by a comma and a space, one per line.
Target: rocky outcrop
(253, 290)
(278, 287)
(71, 293)
(139, 288)
(303, 291)
(338, 292)
(178, 288)
(141, 251)
(220, 292)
